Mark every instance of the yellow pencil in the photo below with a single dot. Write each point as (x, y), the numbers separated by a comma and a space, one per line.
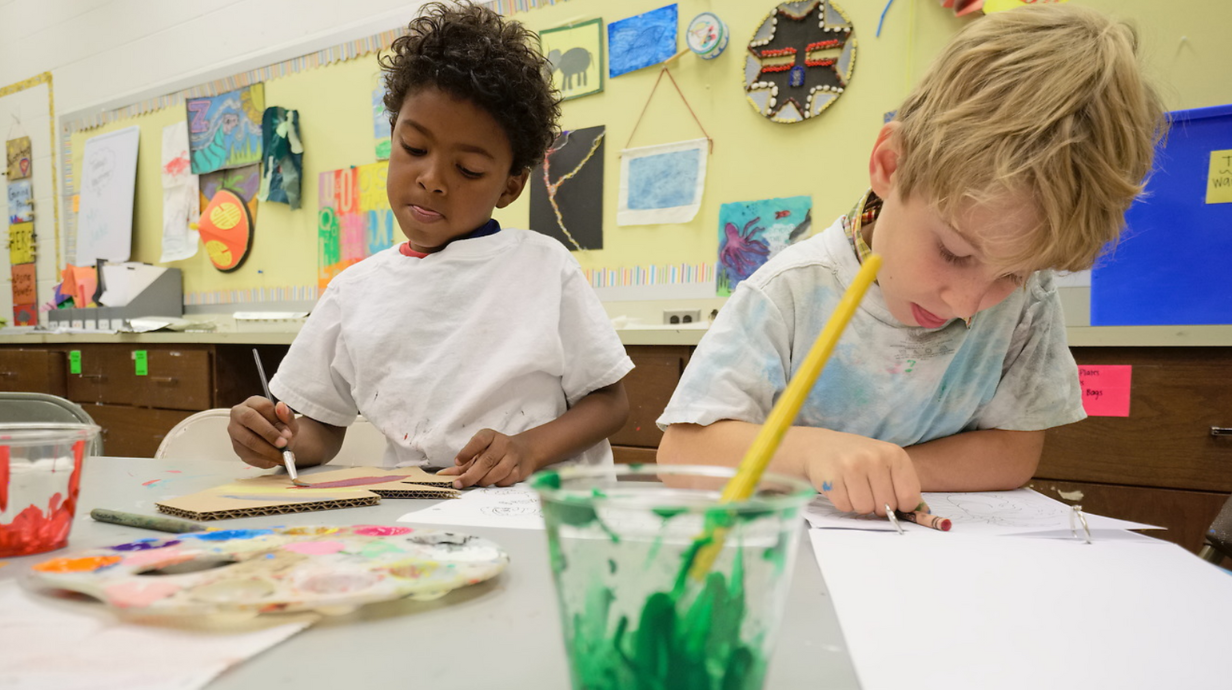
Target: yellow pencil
(767, 441)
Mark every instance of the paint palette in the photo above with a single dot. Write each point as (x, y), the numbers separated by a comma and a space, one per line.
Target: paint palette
(330, 570)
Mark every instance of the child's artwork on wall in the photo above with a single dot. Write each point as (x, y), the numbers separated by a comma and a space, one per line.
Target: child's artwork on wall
(354, 219)
(108, 183)
(576, 54)
(226, 129)
(663, 183)
(641, 41)
(380, 119)
(17, 158)
(800, 60)
(229, 215)
(21, 243)
(283, 165)
(21, 201)
(181, 208)
(566, 190)
(751, 232)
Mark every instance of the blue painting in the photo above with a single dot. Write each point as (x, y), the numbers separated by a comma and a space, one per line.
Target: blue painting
(662, 184)
(663, 180)
(225, 130)
(751, 232)
(641, 41)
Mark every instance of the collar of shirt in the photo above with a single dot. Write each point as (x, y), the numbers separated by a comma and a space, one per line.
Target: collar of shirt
(489, 228)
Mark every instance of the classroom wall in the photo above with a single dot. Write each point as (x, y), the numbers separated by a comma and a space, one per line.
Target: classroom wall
(1183, 45)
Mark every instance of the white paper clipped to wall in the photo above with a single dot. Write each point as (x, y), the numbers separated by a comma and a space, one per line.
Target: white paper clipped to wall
(108, 181)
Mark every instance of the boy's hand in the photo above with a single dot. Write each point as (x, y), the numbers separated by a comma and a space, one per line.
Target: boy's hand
(261, 430)
(491, 458)
(864, 475)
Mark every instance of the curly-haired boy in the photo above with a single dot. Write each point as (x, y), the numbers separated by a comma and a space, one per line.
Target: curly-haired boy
(469, 345)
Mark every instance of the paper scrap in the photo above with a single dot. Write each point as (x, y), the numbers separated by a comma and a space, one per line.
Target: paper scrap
(1105, 389)
(1219, 179)
(514, 507)
(1025, 613)
(984, 513)
(37, 630)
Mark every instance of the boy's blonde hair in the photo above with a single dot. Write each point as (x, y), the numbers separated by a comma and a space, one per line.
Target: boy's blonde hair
(1046, 101)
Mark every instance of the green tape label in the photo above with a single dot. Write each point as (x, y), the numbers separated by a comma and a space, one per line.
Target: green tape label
(142, 364)
(74, 362)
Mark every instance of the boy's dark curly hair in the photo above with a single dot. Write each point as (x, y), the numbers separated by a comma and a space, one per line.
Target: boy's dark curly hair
(471, 52)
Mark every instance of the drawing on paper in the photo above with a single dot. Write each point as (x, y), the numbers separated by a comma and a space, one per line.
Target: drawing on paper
(380, 121)
(662, 184)
(21, 202)
(17, 158)
(225, 130)
(566, 190)
(354, 220)
(800, 60)
(751, 232)
(1005, 510)
(641, 41)
(576, 55)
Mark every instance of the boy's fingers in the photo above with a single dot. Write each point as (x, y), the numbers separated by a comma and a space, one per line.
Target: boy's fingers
(478, 469)
(251, 418)
(881, 482)
(254, 449)
(859, 493)
(838, 496)
(478, 443)
(907, 489)
(502, 471)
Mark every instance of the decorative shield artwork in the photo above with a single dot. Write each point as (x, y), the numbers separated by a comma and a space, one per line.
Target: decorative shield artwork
(800, 60)
(226, 230)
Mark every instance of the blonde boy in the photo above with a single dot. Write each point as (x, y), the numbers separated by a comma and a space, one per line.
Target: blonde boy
(1018, 152)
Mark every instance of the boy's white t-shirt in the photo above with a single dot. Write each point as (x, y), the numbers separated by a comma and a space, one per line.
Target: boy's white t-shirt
(885, 380)
(499, 332)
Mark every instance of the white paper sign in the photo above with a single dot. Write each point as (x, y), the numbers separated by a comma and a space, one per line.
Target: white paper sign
(108, 181)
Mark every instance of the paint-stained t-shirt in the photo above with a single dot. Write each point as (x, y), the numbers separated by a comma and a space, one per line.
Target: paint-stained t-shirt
(885, 380)
(499, 331)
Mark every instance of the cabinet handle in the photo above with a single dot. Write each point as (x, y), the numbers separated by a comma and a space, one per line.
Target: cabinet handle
(100, 377)
(1221, 431)
(163, 379)
(8, 374)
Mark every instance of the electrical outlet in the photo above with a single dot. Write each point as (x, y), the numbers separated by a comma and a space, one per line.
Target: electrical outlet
(677, 316)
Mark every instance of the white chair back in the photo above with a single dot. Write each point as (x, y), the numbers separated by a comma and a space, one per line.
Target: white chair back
(203, 436)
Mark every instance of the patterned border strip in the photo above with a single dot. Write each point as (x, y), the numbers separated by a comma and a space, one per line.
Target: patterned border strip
(666, 274)
(288, 293)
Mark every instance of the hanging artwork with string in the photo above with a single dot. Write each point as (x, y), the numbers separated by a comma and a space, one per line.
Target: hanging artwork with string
(566, 190)
(800, 60)
(662, 183)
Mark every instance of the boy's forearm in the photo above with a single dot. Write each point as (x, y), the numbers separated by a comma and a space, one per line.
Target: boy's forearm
(594, 418)
(725, 442)
(316, 443)
(986, 460)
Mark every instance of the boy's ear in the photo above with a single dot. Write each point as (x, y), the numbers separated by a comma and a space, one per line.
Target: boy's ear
(884, 160)
(513, 189)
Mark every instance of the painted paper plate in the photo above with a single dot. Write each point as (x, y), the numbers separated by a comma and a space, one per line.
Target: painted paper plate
(226, 230)
(707, 35)
(317, 568)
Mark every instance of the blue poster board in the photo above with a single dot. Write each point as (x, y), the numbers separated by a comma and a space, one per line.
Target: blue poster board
(1173, 265)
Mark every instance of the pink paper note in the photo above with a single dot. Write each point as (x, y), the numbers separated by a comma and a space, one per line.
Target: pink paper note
(1105, 389)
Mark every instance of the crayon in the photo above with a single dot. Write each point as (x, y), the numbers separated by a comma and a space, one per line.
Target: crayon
(926, 519)
(161, 524)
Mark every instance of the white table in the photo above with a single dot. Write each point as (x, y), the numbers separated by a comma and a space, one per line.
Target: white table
(502, 633)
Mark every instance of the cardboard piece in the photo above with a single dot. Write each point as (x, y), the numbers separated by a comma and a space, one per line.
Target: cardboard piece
(274, 494)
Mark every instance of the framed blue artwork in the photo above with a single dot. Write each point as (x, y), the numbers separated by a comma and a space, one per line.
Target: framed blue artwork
(641, 41)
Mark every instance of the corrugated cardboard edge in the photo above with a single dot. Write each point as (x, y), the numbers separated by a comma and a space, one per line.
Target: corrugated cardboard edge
(413, 491)
(270, 510)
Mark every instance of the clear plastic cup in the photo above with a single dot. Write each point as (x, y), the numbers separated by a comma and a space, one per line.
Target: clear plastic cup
(641, 604)
(40, 474)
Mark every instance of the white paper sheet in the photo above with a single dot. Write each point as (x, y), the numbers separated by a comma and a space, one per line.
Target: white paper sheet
(108, 182)
(662, 184)
(927, 611)
(71, 645)
(515, 507)
(127, 280)
(181, 198)
(984, 513)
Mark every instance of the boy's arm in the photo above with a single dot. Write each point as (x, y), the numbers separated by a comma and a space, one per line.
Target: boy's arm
(985, 460)
(495, 458)
(316, 443)
(863, 474)
(260, 430)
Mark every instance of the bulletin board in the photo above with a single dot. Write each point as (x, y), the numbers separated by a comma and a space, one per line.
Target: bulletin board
(752, 159)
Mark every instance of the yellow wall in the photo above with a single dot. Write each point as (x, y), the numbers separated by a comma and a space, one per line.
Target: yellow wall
(752, 159)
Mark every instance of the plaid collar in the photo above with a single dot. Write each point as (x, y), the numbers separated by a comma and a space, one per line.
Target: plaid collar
(864, 212)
